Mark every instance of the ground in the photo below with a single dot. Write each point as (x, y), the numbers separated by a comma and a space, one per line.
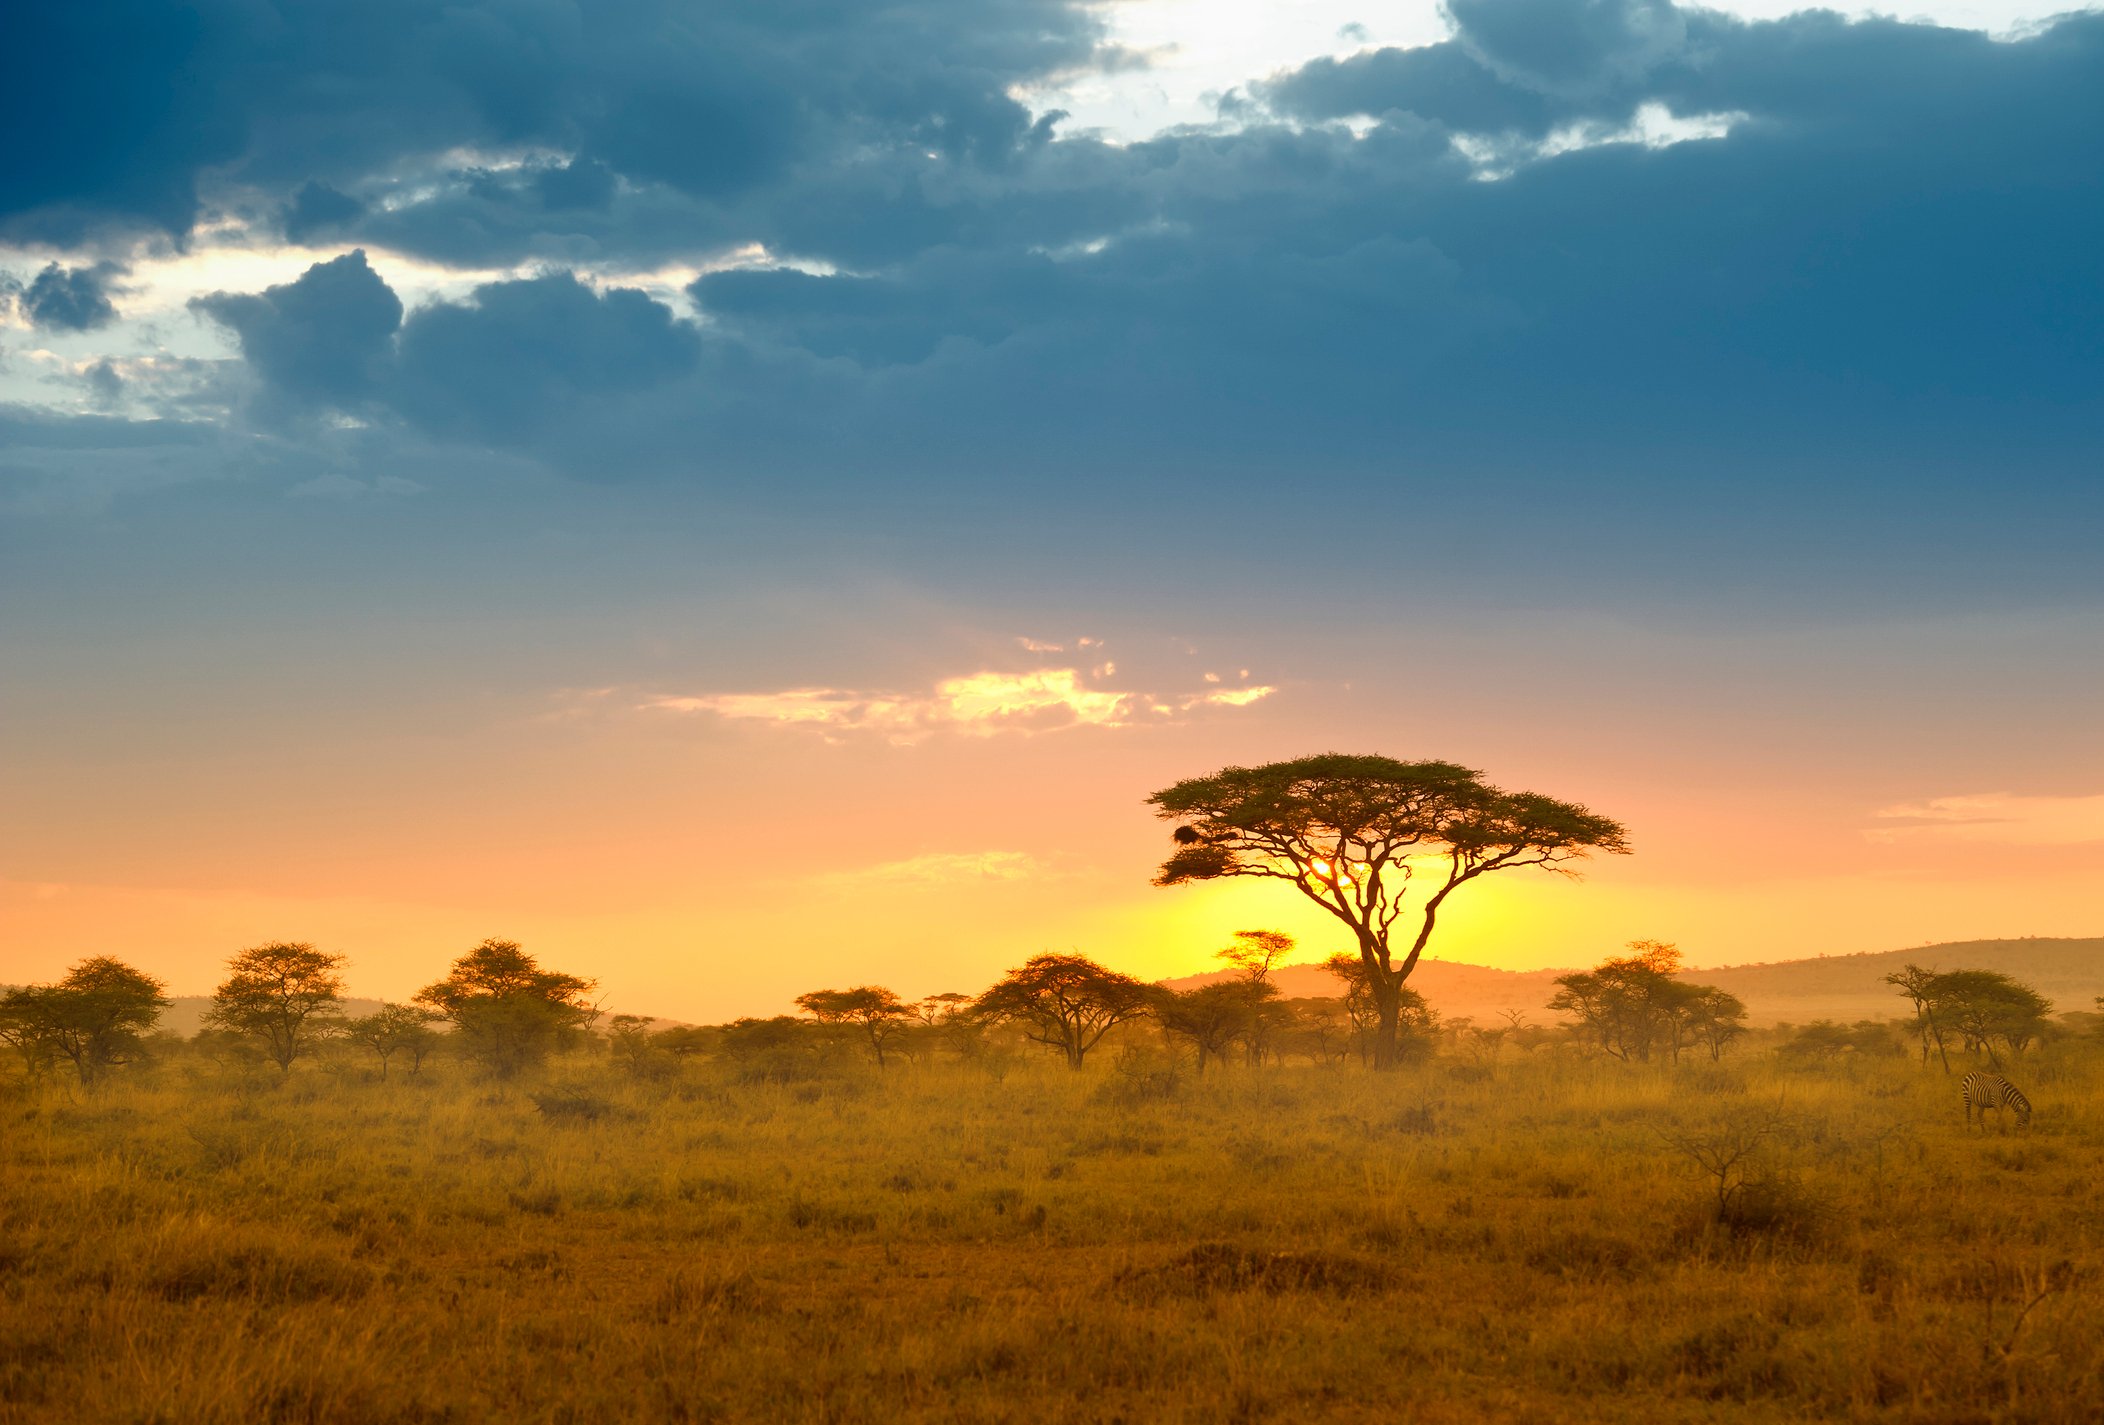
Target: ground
(1530, 1240)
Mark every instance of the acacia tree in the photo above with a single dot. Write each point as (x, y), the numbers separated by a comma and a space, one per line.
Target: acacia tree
(395, 1029)
(1918, 986)
(1354, 833)
(1633, 1004)
(23, 1029)
(1257, 952)
(510, 1013)
(1215, 1018)
(1068, 1002)
(1714, 1017)
(950, 1018)
(93, 1018)
(1986, 1006)
(283, 996)
(1628, 1004)
(1978, 1007)
(881, 1015)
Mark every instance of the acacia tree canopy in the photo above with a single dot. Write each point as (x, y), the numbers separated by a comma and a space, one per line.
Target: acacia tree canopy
(1256, 953)
(1979, 1007)
(93, 1018)
(879, 1013)
(508, 1011)
(282, 995)
(393, 1028)
(1066, 1001)
(1632, 1004)
(1356, 835)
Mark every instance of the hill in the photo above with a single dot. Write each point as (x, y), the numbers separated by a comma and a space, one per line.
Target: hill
(2070, 972)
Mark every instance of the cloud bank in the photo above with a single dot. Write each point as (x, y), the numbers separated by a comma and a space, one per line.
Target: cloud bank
(1805, 274)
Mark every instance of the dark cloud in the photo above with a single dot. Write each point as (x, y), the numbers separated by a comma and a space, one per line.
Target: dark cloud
(327, 338)
(318, 210)
(1571, 46)
(1884, 280)
(70, 299)
(515, 364)
(110, 110)
(132, 103)
(585, 183)
(527, 361)
(105, 384)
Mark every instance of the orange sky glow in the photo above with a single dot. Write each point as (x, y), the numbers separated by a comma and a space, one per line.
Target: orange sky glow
(714, 853)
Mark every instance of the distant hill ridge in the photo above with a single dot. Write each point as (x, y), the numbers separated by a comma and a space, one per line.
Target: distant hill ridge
(2070, 972)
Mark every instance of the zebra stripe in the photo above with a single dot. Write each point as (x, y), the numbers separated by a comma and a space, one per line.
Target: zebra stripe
(1983, 1091)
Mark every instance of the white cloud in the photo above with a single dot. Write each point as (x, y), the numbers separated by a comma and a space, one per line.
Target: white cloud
(1999, 817)
(975, 704)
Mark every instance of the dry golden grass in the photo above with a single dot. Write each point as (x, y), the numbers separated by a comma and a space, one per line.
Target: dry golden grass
(934, 1244)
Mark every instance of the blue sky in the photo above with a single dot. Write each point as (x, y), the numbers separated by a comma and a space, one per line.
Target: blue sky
(366, 367)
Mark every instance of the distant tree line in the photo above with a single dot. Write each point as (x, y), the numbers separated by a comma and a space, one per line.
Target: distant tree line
(501, 1010)
(282, 1001)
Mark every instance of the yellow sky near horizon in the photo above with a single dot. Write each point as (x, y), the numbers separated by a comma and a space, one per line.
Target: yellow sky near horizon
(927, 810)
(712, 864)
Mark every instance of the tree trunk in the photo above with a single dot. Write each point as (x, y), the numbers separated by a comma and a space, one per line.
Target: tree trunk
(1387, 998)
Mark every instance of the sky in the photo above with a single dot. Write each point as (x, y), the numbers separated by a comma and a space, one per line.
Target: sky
(745, 498)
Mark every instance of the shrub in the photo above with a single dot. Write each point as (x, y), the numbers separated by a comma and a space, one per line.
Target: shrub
(571, 1105)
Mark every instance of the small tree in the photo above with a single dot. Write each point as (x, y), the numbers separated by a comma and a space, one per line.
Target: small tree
(1068, 1002)
(509, 1013)
(1918, 985)
(878, 1014)
(951, 1019)
(1986, 1008)
(24, 1029)
(1257, 952)
(628, 1043)
(1978, 1008)
(1321, 1029)
(1824, 1041)
(284, 996)
(1629, 1004)
(772, 1050)
(95, 1018)
(1714, 1018)
(1353, 835)
(686, 1041)
(1215, 1018)
(395, 1029)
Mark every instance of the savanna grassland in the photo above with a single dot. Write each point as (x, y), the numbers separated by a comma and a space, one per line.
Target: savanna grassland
(1530, 1240)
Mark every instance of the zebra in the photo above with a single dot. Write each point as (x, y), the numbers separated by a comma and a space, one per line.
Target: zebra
(1982, 1091)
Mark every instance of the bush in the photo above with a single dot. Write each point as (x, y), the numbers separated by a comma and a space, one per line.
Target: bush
(1139, 1077)
(572, 1105)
